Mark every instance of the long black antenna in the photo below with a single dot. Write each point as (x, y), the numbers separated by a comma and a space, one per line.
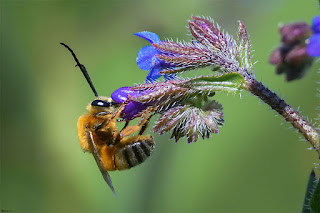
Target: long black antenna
(82, 68)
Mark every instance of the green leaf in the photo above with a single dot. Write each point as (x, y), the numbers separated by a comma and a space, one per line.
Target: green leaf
(315, 199)
(229, 82)
(312, 198)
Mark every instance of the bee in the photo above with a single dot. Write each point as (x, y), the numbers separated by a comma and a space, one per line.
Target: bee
(112, 149)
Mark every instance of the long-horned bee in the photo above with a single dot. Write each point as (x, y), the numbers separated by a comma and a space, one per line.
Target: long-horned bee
(113, 149)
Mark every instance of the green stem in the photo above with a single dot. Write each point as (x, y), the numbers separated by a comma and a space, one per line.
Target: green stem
(275, 102)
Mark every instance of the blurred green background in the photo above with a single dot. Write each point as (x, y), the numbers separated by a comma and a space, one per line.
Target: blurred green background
(256, 164)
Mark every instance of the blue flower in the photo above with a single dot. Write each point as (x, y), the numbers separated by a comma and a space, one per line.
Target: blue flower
(313, 48)
(316, 24)
(132, 109)
(147, 60)
(121, 94)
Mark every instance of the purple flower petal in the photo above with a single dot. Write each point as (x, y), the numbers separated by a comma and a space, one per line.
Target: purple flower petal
(149, 36)
(132, 109)
(316, 24)
(313, 48)
(146, 57)
(121, 94)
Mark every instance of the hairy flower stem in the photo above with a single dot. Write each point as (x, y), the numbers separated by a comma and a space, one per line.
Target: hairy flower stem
(275, 102)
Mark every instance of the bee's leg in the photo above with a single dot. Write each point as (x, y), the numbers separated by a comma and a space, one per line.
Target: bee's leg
(113, 118)
(143, 120)
(119, 110)
(125, 125)
(119, 135)
(145, 125)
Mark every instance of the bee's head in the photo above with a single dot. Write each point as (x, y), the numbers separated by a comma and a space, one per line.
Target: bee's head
(102, 104)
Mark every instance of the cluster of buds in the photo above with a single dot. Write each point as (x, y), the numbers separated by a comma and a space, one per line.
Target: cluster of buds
(184, 104)
(300, 44)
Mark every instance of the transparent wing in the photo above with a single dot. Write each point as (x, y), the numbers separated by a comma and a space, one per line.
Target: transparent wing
(104, 172)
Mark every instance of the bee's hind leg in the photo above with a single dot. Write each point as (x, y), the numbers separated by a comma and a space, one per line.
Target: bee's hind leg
(141, 125)
(125, 125)
(146, 123)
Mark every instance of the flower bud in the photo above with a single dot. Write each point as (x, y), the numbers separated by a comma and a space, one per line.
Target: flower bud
(295, 32)
(292, 57)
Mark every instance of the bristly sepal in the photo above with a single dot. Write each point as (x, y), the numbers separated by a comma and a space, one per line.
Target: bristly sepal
(206, 32)
(184, 56)
(193, 120)
(243, 44)
(211, 47)
(162, 94)
(168, 93)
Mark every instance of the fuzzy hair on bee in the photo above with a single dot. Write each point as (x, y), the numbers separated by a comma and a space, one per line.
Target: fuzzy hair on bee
(112, 149)
(119, 150)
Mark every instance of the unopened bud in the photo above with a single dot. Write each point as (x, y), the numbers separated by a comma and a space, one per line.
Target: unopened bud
(295, 32)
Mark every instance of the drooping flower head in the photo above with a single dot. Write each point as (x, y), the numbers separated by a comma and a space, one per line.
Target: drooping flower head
(147, 60)
(184, 104)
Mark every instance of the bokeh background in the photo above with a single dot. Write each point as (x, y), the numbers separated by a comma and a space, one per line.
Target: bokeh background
(256, 164)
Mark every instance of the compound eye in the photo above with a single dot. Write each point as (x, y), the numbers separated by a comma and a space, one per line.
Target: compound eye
(100, 103)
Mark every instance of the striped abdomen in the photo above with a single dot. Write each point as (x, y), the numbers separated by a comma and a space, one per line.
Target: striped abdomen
(134, 153)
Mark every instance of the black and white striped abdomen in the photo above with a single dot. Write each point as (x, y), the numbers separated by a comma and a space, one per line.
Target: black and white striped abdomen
(133, 154)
